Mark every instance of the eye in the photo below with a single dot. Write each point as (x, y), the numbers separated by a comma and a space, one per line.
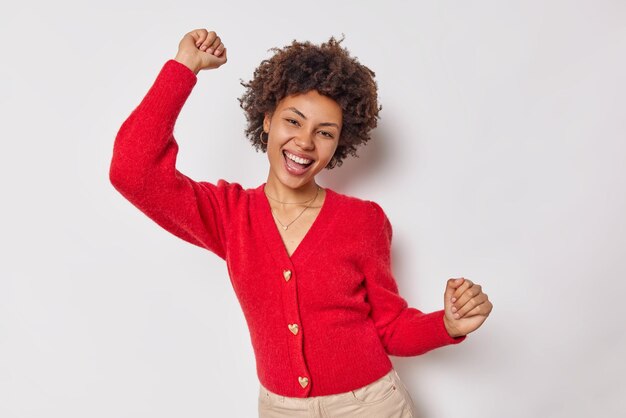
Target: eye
(327, 134)
(292, 121)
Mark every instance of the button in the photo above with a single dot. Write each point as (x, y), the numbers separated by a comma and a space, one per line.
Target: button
(287, 275)
(303, 381)
(293, 328)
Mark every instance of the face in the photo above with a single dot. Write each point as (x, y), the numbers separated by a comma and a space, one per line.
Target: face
(304, 128)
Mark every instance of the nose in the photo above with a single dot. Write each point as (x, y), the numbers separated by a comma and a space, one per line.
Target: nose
(304, 142)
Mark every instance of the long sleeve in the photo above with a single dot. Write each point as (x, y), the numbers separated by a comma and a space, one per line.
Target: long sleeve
(143, 166)
(404, 331)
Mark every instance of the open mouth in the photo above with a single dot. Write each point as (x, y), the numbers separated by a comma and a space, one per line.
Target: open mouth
(295, 164)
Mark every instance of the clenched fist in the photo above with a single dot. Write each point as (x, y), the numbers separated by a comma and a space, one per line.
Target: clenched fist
(466, 307)
(201, 49)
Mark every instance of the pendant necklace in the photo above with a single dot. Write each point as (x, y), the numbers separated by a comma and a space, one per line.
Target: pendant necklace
(285, 227)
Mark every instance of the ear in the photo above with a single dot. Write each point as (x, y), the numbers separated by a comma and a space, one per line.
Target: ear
(267, 122)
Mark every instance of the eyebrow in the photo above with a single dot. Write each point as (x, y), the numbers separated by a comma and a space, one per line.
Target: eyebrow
(296, 111)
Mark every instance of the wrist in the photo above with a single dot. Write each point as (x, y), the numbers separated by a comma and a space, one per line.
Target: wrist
(187, 62)
(451, 329)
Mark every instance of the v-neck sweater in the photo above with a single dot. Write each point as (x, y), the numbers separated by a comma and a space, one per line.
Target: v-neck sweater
(321, 322)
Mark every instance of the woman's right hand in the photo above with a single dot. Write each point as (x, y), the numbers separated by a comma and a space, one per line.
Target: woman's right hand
(201, 49)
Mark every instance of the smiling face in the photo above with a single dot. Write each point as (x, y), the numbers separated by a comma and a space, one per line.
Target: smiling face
(303, 134)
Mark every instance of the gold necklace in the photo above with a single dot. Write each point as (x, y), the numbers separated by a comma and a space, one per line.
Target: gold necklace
(285, 227)
(291, 203)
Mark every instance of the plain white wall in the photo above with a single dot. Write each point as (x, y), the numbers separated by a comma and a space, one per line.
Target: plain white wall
(499, 156)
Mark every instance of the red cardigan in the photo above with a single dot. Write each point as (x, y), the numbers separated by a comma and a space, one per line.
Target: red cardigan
(322, 321)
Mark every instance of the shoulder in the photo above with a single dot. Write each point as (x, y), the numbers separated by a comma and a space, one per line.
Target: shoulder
(228, 186)
(354, 203)
(369, 214)
(228, 192)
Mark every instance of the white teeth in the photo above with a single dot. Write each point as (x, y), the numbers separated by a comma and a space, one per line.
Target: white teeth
(297, 159)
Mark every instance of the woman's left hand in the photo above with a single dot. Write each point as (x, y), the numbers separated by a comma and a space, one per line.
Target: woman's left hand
(466, 307)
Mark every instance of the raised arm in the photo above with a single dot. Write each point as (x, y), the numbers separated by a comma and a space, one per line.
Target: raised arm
(143, 165)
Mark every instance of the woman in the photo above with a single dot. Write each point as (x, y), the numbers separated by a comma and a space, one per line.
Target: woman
(310, 266)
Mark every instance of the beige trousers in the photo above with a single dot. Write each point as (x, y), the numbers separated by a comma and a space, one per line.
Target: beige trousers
(387, 397)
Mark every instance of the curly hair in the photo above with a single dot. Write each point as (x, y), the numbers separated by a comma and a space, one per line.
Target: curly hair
(327, 68)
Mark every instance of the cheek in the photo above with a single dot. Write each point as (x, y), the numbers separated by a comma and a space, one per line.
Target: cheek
(281, 133)
(332, 148)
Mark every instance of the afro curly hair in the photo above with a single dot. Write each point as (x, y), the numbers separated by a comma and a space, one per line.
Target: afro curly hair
(328, 68)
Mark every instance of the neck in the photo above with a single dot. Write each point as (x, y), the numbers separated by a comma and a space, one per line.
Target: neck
(286, 194)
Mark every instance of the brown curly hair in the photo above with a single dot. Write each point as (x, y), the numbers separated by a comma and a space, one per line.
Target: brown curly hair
(327, 68)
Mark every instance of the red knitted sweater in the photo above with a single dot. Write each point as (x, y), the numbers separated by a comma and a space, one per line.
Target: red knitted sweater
(322, 321)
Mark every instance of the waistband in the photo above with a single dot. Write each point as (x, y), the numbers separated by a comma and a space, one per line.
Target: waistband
(274, 398)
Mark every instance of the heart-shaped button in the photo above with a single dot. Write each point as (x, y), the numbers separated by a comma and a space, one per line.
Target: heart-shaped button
(287, 275)
(303, 381)
(293, 328)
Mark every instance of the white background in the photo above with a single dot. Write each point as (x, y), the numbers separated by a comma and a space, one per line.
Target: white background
(499, 157)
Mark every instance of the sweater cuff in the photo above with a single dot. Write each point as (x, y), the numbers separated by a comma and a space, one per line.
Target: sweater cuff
(168, 93)
(179, 75)
(446, 339)
(180, 68)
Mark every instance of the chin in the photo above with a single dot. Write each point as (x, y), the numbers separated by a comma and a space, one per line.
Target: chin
(295, 183)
